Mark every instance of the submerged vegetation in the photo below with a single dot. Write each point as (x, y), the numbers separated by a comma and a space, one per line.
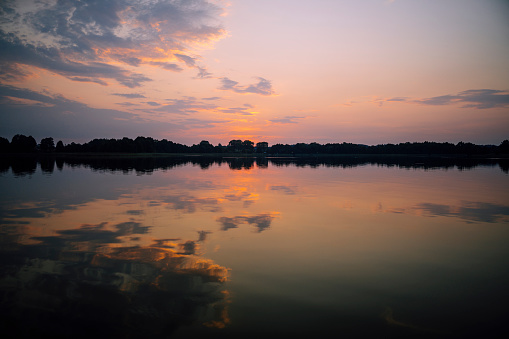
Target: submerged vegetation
(23, 144)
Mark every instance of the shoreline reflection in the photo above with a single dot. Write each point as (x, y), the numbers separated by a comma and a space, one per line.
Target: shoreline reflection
(27, 165)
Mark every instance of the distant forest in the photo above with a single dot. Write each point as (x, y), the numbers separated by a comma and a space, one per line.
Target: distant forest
(27, 144)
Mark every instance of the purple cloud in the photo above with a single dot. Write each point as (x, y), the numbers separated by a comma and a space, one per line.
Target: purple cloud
(90, 40)
(130, 95)
(289, 119)
(473, 98)
(263, 87)
(189, 61)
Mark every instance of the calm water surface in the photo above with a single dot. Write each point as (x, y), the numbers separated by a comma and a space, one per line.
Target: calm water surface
(237, 247)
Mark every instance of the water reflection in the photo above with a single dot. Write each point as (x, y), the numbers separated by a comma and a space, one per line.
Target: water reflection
(290, 190)
(348, 246)
(27, 165)
(261, 221)
(468, 210)
(85, 282)
(189, 204)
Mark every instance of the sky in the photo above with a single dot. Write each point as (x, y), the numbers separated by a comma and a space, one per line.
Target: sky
(281, 71)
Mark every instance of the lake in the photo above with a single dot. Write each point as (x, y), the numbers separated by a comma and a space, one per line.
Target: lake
(173, 247)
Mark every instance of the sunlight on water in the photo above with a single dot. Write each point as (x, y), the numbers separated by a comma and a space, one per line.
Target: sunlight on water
(240, 246)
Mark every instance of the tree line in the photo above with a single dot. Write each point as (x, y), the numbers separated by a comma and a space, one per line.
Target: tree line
(27, 144)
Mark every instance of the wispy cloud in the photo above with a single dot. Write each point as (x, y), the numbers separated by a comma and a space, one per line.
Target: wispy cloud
(247, 109)
(262, 87)
(152, 103)
(289, 119)
(400, 99)
(189, 61)
(184, 106)
(85, 79)
(14, 100)
(126, 104)
(203, 73)
(192, 105)
(473, 98)
(167, 66)
(129, 95)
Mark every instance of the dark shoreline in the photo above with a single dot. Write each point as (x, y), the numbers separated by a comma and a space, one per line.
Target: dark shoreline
(249, 155)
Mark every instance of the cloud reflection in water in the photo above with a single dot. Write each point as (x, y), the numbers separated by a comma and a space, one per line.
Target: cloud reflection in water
(76, 283)
(468, 210)
(260, 221)
(357, 258)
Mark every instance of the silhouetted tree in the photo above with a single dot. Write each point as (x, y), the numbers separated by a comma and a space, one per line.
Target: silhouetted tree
(145, 145)
(165, 146)
(504, 147)
(315, 147)
(47, 145)
(247, 146)
(301, 148)
(4, 145)
(219, 148)
(74, 148)
(262, 147)
(465, 147)
(60, 146)
(235, 146)
(281, 149)
(23, 144)
(127, 145)
(205, 147)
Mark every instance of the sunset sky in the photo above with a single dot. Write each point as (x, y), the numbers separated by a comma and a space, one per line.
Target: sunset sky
(282, 71)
